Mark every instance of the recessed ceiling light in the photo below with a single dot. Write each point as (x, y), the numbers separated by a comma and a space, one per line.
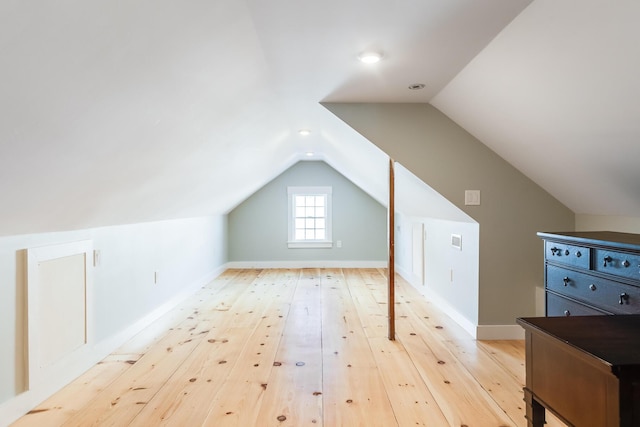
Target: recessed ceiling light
(370, 57)
(416, 86)
(309, 153)
(304, 132)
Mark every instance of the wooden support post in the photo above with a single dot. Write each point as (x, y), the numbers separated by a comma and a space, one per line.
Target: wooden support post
(391, 269)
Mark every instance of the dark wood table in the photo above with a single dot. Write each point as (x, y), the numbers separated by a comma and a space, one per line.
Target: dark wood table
(584, 369)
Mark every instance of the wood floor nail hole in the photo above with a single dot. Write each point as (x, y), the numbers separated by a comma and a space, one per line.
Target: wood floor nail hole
(277, 363)
(281, 418)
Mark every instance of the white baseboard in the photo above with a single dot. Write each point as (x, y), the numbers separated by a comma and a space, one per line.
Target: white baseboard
(500, 332)
(307, 264)
(19, 405)
(108, 345)
(479, 332)
(442, 304)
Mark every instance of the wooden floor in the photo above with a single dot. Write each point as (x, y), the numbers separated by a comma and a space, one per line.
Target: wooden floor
(298, 348)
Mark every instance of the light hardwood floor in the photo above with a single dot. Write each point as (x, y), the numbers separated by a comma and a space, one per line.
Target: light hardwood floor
(298, 348)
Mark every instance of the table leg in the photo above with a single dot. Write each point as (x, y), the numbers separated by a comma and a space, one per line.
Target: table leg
(535, 411)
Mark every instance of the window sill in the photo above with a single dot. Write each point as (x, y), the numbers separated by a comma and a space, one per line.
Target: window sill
(309, 245)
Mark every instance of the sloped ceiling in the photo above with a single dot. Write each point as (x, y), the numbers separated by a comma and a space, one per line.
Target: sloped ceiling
(557, 95)
(123, 112)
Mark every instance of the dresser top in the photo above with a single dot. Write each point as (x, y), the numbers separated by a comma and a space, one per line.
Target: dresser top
(612, 339)
(596, 238)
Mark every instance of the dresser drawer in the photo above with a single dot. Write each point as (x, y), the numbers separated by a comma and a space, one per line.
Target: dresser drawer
(559, 306)
(608, 295)
(576, 256)
(617, 263)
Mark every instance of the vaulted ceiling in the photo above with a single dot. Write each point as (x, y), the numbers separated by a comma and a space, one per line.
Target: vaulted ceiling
(123, 112)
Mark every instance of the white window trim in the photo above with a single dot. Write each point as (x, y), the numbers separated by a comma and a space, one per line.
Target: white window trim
(302, 244)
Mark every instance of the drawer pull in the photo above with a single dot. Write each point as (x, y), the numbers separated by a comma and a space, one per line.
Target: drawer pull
(554, 250)
(592, 287)
(623, 297)
(567, 313)
(566, 281)
(606, 260)
(578, 254)
(626, 263)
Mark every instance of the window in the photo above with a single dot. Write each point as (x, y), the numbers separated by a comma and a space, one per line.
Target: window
(310, 217)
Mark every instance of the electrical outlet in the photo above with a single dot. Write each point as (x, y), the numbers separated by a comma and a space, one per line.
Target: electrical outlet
(339, 244)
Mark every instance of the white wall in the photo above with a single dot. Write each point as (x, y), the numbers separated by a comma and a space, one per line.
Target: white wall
(186, 254)
(450, 275)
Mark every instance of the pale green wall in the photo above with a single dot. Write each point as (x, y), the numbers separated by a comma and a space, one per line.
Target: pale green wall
(258, 226)
(512, 210)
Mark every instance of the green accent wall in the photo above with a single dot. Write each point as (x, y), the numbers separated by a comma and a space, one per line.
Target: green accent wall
(513, 208)
(258, 226)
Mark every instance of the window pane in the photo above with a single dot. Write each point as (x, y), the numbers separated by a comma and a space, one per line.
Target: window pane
(309, 220)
